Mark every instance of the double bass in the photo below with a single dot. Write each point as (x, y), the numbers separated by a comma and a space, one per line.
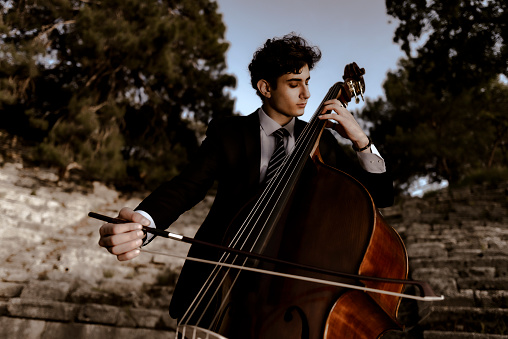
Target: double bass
(315, 215)
(312, 223)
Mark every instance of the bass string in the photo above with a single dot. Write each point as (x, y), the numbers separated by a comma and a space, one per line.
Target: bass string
(296, 156)
(262, 202)
(249, 220)
(285, 170)
(286, 166)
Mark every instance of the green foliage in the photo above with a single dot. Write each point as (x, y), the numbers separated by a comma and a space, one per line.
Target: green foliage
(454, 44)
(446, 111)
(420, 135)
(488, 176)
(109, 85)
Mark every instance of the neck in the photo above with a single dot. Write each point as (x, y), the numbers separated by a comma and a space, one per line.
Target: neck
(280, 118)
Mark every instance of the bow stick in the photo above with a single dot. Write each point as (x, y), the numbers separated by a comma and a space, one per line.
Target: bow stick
(426, 292)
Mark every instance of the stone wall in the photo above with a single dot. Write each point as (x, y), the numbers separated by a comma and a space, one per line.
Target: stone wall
(457, 240)
(56, 282)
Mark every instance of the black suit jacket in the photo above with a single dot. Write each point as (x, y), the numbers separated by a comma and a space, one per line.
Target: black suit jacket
(231, 155)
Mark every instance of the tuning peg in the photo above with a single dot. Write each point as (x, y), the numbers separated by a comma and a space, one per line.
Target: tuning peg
(356, 89)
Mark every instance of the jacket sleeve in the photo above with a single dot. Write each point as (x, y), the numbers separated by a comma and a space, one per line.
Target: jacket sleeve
(172, 198)
(379, 185)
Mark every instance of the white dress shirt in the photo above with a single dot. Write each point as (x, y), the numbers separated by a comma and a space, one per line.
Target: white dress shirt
(371, 162)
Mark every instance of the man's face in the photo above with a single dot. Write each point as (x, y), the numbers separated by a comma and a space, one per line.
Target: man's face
(290, 97)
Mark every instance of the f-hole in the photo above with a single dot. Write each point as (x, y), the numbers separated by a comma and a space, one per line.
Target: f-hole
(288, 316)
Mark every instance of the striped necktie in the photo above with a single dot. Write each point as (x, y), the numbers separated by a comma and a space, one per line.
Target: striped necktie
(278, 154)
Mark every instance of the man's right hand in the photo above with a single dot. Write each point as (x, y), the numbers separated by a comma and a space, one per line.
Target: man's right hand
(124, 240)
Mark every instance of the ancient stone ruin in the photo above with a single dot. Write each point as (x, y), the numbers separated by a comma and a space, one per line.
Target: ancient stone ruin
(56, 282)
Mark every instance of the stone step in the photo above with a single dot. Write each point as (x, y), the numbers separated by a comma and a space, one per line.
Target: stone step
(101, 314)
(476, 298)
(443, 226)
(419, 234)
(430, 334)
(458, 252)
(482, 283)
(148, 296)
(419, 231)
(464, 319)
(461, 335)
(10, 289)
(17, 328)
(447, 282)
(500, 263)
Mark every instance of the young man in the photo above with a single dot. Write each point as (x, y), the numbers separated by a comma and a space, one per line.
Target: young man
(236, 153)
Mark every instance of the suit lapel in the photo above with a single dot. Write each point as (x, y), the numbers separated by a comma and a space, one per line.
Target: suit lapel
(299, 126)
(253, 144)
(253, 147)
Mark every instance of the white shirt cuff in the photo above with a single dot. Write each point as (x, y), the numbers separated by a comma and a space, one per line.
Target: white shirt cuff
(372, 162)
(149, 236)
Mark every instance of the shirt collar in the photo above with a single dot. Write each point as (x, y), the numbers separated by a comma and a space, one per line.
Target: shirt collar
(268, 125)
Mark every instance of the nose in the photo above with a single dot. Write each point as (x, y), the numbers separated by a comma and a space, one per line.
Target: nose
(305, 94)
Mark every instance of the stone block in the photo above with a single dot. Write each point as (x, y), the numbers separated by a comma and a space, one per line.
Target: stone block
(492, 299)
(15, 328)
(120, 287)
(10, 290)
(98, 314)
(417, 227)
(41, 309)
(483, 283)
(147, 275)
(87, 294)
(391, 212)
(7, 249)
(461, 264)
(14, 274)
(3, 308)
(480, 272)
(433, 217)
(159, 296)
(51, 270)
(46, 289)
(442, 280)
(463, 298)
(440, 228)
(87, 331)
(460, 335)
(126, 318)
(466, 319)
(466, 253)
(427, 250)
(471, 224)
(147, 318)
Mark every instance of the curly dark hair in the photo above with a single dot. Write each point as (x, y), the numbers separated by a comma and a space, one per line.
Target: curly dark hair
(281, 56)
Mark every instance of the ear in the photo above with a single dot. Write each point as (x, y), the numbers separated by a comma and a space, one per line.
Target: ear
(264, 88)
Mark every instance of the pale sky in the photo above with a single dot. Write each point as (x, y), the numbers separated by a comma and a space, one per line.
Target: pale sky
(345, 31)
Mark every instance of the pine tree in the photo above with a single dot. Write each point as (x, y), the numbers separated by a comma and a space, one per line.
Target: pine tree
(445, 111)
(113, 85)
